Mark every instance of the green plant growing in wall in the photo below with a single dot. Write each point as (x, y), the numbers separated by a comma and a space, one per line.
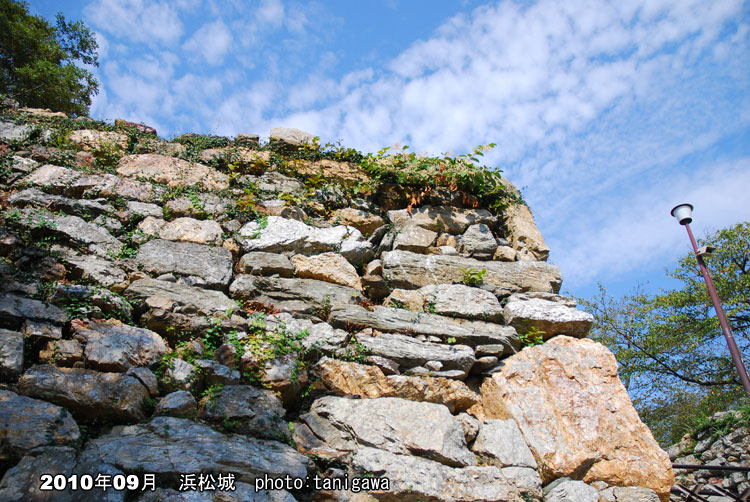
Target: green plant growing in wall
(471, 276)
(533, 336)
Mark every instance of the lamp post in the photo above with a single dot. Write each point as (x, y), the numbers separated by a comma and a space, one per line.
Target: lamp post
(684, 214)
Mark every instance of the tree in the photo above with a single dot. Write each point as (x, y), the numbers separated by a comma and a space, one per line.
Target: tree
(37, 60)
(673, 358)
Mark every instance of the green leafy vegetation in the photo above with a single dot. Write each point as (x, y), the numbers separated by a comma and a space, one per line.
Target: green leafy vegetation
(472, 277)
(672, 355)
(38, 60)
(532, 337)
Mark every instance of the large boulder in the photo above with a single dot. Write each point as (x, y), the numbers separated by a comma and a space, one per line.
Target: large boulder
(282, 235)
(171, 171)
(27, 423)
(247, 409)
(442, 219)
(92, 268)
(192, 230)
(452, 300)
(413, 478)
(90, 140)
(576, 415)
(117, 347)
(409, 352)
(524, 235)
(78, 207)
(392, 320)
(265, 264)
(212, 266)
(501, 443)
(329, 267)
(526, 313)
(289, 138)
(22, 482)
(179, 298)
(168, 446)
(299, 296)
(87, 394)
(14, 310)
(406, 270)
(70, 228)
(397, 425)
(353, 379)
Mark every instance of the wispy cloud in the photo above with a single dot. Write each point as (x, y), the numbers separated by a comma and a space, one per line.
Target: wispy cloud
(143, 21)
(211, 42)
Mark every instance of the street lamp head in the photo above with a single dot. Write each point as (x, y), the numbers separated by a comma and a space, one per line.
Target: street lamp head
(683, 213)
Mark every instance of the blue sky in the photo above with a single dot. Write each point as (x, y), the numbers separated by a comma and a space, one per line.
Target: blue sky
(606, 114)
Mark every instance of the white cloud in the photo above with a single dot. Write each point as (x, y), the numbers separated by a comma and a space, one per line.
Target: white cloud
(211, 41)
(145, 21)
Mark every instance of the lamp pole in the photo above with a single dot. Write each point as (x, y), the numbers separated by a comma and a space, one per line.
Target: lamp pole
(684, 215)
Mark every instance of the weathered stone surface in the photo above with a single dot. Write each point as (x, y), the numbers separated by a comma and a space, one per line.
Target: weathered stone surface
(442, 219)
(27, 423)
(71, 183)
(14, 132)
(388, 319)
(524, 235)
(61, 353)
(22, 482)
(91, 140)
(478, 242)
(238, 156)
(408, 270)
(328, 267)
(396, 425)
(70, 228)
(470, 425)
(363, 221)
(143, 209)
(198, 206)
(147, 378)
(192, 230)
(628, 494)
(169, 446)
(458, 300)
(266, 264)
(117, 347)
(212, 265)
(274, 181)
(301, 296)
(500, 443)
(357, 252)
(409, 352)
(182, 375)
(568, 490)
(86, 393)
(290, 138)
(413, 238)
(415, 478)
(344, 173)
(553, 318)
(253, 411)
(41, 330)
(576, 415)
(171, 171)
(353, 379)
(93, 268)
(36, 198)
(14, 310)
(11, 354)
(180, 403)
(215, 373)
(282, 235)
(179, 298)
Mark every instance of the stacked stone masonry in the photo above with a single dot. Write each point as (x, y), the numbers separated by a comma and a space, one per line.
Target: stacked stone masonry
(199, 306)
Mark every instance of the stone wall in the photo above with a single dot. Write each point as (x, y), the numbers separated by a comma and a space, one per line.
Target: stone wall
(724, 442)
(281, 311)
